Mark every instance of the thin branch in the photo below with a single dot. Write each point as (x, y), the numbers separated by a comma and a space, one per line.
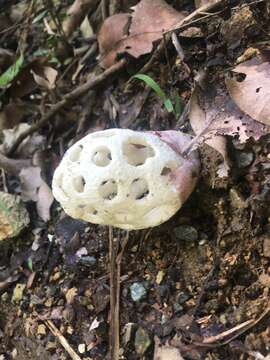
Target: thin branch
(67, 99)
(187, 21)
(76, 13)
(12, 166)
(63, 341)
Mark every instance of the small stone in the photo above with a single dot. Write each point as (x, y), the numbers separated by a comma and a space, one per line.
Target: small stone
(244, 158)
(186, 233)
(264, 279)
(88, 260)
(13, 215)
(68, 313)
(223, 319)
(237, 200)
(142, 341)
(41, 330)
(137, 291)
(51, 345)
(266, 246)
(18, 293)
(81, 348)
(177, 308)
(160, 276)
(182, 297)
(128, 333)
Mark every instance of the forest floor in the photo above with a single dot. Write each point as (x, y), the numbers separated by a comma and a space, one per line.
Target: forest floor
(195, 287)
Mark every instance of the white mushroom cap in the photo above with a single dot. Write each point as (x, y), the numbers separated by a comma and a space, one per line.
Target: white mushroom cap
(122, 178)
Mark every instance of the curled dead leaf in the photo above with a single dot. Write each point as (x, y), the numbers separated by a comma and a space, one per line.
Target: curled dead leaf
(34, 188)
(149, 20)
(27, 147)
(214, 116)
(252, 94)
(47, 78)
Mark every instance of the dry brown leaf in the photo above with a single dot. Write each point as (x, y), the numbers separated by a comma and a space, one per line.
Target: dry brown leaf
(212, 117)
(252, 94)
(47, 78)
(34, 188)
(237, 26)
(27, 147)
(76, 13)
(113, 30)
(12, 114)
(149, 21)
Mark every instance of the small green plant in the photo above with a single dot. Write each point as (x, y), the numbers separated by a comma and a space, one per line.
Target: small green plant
(174, 106)
(7, 77)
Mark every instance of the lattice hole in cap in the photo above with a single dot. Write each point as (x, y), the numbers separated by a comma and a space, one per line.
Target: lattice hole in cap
(169, 168)
(139, 189)
(137, 151)
(108, 189)
(75, 153)
(102, 156)
(79, 183)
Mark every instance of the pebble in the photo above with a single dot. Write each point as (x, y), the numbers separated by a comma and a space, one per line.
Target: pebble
(81, 348)
(142, 341)
(244, 158)
(266, 246)
(18, 293)
(128, 333)
(186, 233)
(41, 330)
(237, 200)
(88, 260)
(177, 308)
(182, 297)
(137, 291)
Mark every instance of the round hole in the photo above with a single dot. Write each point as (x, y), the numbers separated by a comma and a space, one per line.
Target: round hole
(169, 168)
(102, 156)
(137, 151)
(108, 189)
(79, 184)
(75, 153)
(139, 189)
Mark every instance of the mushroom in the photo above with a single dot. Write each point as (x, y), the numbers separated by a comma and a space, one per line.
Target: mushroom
(127, 179)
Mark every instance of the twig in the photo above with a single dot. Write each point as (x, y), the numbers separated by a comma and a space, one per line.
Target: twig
(114, 323)
(104, 9)
(76, 13)
(13, 166)
(63, 341)
(115, 281)
(188, 20)
(207, 8)
(242, 327)
(68, 98)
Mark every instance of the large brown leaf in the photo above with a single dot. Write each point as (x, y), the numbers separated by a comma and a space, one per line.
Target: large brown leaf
(149, 20)
(252, 94)
(213, 116)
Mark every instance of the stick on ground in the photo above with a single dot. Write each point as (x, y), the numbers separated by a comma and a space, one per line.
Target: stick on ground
(67, 99)
(63, 341)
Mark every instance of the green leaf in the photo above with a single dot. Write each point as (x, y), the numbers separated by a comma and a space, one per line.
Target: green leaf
(30, 264)
(40, 16)
(7, 77)
(154, 86)
(178, 104)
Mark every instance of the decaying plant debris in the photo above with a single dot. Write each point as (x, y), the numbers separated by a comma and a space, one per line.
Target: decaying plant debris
(195, 287)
